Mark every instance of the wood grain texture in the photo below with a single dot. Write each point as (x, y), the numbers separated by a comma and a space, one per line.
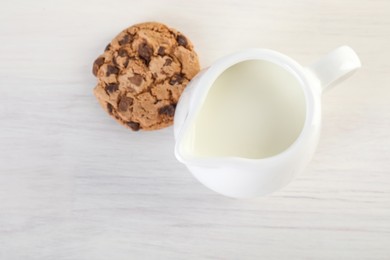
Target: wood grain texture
(76, 185)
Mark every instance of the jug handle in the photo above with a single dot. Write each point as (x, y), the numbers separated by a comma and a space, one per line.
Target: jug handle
(335, 67)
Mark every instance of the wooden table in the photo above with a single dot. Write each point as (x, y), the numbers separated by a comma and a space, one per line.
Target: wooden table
(76, 185)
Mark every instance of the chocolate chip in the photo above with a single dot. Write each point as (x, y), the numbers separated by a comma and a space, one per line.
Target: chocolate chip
(168, 62)
(121, 62)
(145, 52)
(126, 39)
(168, 110)
(108, 47)
(161, 51)
(125, 103)
(136, 79)
(109, 108)
(177, 78)
(123, 53)
(114, 61)
(111, 70)
(134, 125)
(112, 87)
(181, 40)
(97, 64)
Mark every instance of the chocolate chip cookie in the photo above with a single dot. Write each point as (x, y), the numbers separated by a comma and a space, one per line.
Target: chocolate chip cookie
(142, 73)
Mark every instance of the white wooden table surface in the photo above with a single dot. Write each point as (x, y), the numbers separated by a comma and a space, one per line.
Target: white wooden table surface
(76, 185)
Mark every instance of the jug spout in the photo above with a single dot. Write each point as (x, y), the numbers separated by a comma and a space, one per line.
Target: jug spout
(186, 107)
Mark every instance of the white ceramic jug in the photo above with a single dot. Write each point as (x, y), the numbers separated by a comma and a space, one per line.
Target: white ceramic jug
(242, 176)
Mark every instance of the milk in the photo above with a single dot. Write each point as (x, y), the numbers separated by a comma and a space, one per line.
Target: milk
(255, 109)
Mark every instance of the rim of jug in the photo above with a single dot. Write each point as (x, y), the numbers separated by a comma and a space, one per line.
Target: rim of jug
(214, 71)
